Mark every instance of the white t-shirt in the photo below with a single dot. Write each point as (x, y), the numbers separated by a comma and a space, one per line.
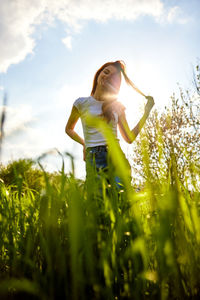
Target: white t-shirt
(92, 106)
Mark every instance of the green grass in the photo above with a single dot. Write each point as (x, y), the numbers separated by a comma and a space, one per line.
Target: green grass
(69, 240)
(63, 238)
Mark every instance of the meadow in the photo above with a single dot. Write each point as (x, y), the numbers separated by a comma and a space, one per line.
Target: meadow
(64, 238)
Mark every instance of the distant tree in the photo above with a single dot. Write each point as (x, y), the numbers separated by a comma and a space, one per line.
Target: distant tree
(173, 133)
(196, 79)
(22, 173)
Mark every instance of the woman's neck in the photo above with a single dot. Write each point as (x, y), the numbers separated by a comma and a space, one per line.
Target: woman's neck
(100, 95)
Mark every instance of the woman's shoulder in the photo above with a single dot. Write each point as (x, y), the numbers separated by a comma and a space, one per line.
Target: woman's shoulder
(118, 107)
(80, 101)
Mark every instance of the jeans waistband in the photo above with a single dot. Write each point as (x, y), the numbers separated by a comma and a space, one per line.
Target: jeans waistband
(101, 148)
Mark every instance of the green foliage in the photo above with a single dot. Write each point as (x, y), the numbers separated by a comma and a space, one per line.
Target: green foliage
(91, 241)
(175, 132)
(22, 172)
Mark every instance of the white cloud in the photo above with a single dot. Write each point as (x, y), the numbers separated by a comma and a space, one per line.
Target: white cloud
(175, 14)
(68, 42)
(19, 18)
(22, 138)
(72, 12)
(17, 131)
(17, 119)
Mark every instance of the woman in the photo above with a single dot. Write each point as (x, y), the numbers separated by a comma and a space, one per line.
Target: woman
(103, 103)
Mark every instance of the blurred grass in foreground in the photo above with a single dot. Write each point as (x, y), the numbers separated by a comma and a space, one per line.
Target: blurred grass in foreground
(69, 240)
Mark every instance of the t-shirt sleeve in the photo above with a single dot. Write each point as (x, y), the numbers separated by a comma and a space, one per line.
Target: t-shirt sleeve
(77, 104)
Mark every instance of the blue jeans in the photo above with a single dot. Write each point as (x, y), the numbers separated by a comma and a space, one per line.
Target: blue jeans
(97, 162)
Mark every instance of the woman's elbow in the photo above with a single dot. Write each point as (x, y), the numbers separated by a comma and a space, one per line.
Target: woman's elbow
(67, 130)
(130, 140)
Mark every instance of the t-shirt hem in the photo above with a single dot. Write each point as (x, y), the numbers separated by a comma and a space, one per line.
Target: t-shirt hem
(95, 145)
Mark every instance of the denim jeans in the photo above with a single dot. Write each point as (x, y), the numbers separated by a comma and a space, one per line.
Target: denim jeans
(97, 162)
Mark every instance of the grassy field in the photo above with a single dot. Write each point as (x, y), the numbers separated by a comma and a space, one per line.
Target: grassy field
(65, 239)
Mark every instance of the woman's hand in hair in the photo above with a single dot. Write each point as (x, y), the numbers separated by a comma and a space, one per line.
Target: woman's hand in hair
(149, 104)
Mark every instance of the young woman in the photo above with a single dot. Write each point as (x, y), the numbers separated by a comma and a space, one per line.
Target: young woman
(103, 103)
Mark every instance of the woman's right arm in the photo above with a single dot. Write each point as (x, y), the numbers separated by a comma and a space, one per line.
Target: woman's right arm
(69, 128)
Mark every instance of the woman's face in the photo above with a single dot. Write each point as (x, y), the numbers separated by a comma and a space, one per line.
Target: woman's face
(110, 79)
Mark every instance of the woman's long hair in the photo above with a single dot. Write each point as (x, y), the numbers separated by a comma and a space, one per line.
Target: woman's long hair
(107, 107)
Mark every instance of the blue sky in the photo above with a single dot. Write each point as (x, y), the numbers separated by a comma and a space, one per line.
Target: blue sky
(50, 51)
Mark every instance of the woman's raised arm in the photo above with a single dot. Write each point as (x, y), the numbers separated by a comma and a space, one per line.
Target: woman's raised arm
(128, 134)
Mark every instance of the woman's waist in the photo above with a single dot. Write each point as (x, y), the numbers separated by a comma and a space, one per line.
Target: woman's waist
(99, 148)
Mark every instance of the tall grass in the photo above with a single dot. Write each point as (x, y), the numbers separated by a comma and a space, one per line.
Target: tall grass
(77, 240)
